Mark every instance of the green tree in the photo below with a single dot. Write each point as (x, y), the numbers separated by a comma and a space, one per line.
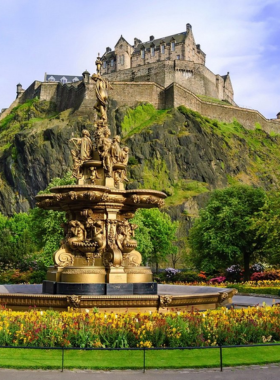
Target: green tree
(47, 224)
(17, 244)
(266, 224)
(159, 236)
(223, 233)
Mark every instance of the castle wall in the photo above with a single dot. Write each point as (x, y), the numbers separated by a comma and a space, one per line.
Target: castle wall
(131, 94)
(82, 98)
(48, 91)
(30, 93)
(193, 76)
(178, 95)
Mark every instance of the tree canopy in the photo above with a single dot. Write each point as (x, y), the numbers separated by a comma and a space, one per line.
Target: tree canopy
(266, 223)
(156, 235)
(222, 234)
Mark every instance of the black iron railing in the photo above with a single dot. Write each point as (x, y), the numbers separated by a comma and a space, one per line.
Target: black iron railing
(143, 349)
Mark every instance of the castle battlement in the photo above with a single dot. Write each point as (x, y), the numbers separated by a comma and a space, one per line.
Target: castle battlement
(173, 59)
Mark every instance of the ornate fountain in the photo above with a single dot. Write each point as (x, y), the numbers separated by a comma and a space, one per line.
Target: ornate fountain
(98, 254)
(97, 264)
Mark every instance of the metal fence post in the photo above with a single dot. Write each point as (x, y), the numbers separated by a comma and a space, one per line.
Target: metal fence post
(62, 364)
(221, 358)
(144, 360)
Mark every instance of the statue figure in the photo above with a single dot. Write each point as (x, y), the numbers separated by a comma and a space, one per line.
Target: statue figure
(104, 151)
(77, 163)
(86, 145)
(102, 86)
(115, 149)
(124, 155)
(94, 175)
(120, 176)
(125, 231)
(77, 231)
(99, 236)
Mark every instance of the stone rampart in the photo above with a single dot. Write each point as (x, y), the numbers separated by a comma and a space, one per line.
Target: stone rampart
(131, 93)
(177, 95)
(81, 97)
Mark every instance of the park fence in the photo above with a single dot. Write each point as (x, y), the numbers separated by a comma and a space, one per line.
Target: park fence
(145, 350)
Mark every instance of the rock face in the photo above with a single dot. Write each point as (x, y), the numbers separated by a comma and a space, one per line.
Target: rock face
(176, 151)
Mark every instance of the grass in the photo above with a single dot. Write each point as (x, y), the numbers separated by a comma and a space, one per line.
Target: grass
(184, 190)
(260, 150)
(213, 100)
(257, 290)
(106, 360)
(20, 118)
(142, 117)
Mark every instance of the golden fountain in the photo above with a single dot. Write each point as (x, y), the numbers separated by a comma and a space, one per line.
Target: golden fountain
(97, 264)
(99, 249)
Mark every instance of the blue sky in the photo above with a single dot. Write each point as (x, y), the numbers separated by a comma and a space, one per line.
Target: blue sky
(64, 37)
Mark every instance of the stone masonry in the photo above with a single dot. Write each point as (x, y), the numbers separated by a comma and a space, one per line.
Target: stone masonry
(172, 59)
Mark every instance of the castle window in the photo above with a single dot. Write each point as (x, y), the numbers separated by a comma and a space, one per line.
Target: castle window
(143, 53)
(172, 45)
(63, 80)
(122, 59)
(75, 79)
(51, 79)
(178, 56)
(112, 62)
(152, 51)
(104, 65)
(162, 49)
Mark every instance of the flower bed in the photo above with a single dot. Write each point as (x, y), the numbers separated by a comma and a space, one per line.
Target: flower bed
(173, 329)
(260, 287)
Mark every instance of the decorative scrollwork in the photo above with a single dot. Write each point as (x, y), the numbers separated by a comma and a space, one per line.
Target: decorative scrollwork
(63, 258)
(165, 300)
(74, 301)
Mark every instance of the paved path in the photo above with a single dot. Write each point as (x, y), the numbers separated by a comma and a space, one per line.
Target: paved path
(269, 372)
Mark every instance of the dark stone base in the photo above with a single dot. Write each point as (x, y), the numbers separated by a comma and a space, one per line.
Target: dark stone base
(49, 287)
(70, 288)
(145, 288)
(119, 289)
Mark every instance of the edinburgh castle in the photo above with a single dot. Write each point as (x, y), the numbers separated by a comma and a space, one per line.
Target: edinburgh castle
(166, 72)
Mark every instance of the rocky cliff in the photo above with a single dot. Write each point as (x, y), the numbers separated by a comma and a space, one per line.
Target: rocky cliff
(177, 151)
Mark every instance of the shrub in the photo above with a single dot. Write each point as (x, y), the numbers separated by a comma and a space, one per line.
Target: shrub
(217, 280)
(267, 275)
(170, 273)
(234, 273)
(256, 268)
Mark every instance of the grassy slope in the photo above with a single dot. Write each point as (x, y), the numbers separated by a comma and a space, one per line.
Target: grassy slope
(263, 156)
(24, 116)
(261, 152)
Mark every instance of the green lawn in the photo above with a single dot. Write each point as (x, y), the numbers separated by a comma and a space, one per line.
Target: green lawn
(52, 359)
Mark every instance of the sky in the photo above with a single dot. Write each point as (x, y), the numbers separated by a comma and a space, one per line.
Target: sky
(64, 37)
